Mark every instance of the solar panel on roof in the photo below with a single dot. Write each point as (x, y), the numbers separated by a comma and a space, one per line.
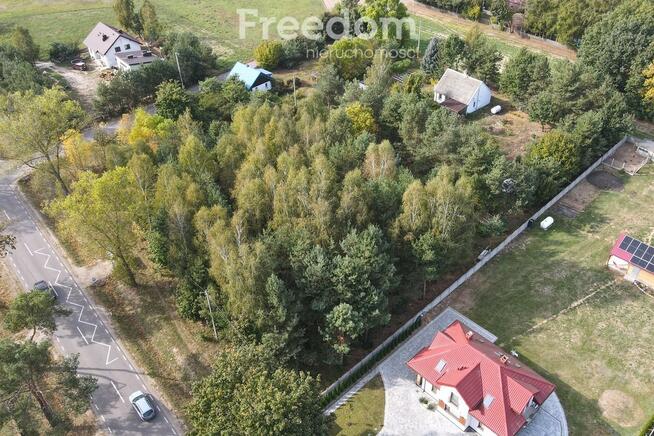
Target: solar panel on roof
(650, 251)
(625, 243)
(650, 267)
(641, 250)
(639, 262)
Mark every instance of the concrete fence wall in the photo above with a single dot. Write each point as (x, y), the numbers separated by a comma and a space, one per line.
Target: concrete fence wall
(494, 252)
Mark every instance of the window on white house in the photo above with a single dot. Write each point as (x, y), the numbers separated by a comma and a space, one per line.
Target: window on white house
(127, 46)
(454, 399)
(434, 388)
(117, 49)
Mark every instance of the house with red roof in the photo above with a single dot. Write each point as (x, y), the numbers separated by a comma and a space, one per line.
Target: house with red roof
(476, 384)
(633, 259)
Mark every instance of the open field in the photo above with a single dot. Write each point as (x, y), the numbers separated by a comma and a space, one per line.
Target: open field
(364, 414)
(215, 21)
(552, 299)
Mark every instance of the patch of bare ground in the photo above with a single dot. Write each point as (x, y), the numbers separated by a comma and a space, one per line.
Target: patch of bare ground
(621, 408)
(512, 127)
(578, 199)
(627, 159)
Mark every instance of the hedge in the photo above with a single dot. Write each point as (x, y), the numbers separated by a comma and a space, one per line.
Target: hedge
(378, 355)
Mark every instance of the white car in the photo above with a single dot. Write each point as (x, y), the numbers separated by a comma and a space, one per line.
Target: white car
(143, 405)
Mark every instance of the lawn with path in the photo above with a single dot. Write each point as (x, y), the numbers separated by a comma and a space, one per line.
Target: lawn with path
(363, 414)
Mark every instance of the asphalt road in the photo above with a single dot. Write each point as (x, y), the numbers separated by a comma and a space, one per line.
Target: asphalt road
(87, 330)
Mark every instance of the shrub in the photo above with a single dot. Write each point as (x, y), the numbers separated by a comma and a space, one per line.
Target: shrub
(431, 406)
(62, 52)
(401, 66)
(268, 54)
(492, 226)
(423, 400)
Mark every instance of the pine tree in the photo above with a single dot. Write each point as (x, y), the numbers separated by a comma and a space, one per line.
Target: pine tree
(430, 62)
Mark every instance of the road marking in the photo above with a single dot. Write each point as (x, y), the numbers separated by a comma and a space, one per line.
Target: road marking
(6, 214)
(53, 289)
(143, 386)
(166, 419)
(173, 429)
(83, 337)
(102, 416)
(130, 366)
(28, 248)
(117, 391)
(57, 339)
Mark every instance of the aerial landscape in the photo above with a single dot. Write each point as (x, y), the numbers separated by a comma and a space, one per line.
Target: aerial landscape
(327, 217)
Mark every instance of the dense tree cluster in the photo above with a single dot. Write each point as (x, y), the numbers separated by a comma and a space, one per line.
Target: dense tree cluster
(475, 54)
(565, 20)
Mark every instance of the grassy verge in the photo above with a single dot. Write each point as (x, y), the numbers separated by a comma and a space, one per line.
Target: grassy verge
(172, 351)
(363, 414)
(552, 298)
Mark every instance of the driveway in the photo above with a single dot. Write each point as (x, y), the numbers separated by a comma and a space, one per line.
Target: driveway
(405, 415)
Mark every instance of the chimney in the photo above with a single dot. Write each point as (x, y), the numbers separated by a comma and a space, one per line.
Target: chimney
(469, 335)
(504, 358)
(104, 37)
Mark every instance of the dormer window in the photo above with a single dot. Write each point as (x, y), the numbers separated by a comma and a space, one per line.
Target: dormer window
(488, 400)
(117, 49)
(127, 46)
(440, 365)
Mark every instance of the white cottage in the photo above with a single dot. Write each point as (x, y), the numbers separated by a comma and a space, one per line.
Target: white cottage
(105, 42)
(461, 93)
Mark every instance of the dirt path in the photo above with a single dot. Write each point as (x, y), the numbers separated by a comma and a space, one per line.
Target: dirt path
(84, 83)
(425, 11)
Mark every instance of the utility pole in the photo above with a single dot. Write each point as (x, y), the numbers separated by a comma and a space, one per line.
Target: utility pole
(181, 79)
(419, 37)
(213, 324)
(294, 95)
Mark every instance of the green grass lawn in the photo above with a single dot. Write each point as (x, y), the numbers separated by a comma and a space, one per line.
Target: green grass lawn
(364, 414)
(215, 21)
(599, 353)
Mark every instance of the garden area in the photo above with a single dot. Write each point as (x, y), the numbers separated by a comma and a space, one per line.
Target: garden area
(552, 298)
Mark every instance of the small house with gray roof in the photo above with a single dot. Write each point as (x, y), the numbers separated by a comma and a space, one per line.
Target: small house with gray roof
(461, 93)
(105, 43)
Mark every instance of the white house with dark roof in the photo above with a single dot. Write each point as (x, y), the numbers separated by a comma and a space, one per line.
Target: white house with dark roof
(254, 79)
(133, 60)
(461, 93)
(105, 43)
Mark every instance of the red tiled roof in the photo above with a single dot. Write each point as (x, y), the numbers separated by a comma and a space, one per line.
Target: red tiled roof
(473, 366)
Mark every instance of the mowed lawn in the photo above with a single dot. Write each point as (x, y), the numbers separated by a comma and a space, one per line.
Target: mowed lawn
(363, 415)
(600, 350)
(215, 21)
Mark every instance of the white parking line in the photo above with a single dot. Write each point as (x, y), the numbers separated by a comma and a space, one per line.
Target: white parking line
(6, 214)
(144, 388)
(103, 420)
(28, 249)
(166, 419)
(117, 391)
(83, 337)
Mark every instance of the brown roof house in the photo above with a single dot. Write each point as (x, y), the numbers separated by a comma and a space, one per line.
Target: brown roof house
(106, 44)
(461, 93)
